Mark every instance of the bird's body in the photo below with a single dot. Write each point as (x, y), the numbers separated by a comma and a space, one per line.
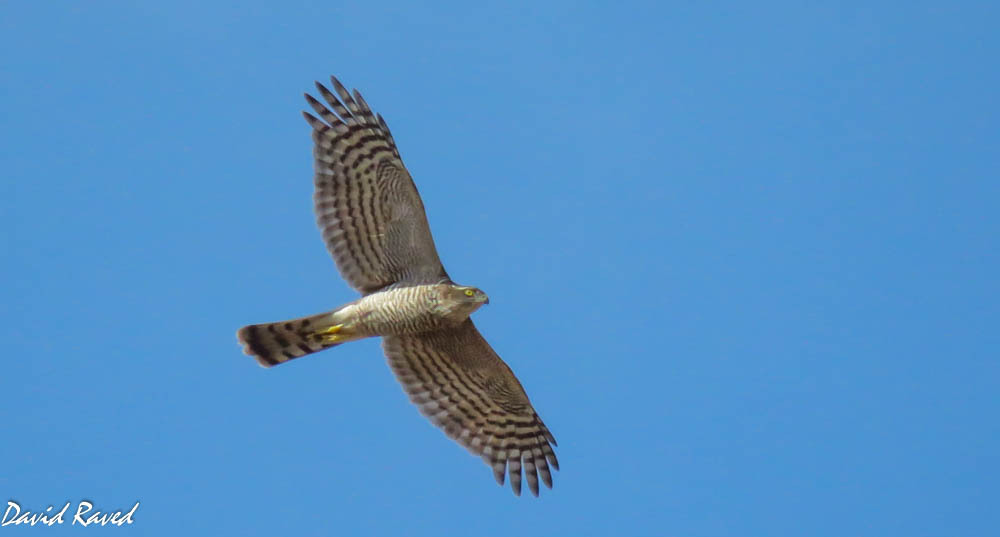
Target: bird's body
(426, 308)
(397, 311)
(373, 222)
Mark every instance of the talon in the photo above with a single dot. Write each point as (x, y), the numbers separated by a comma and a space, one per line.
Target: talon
(330, 335)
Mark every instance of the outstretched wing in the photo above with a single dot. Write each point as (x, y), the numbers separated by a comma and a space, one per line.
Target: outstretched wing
(459, 382)
(367, 206)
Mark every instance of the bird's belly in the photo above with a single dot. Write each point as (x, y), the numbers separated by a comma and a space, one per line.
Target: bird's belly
(408, 310)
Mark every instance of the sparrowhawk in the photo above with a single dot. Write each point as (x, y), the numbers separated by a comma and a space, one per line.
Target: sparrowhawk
(372, 220)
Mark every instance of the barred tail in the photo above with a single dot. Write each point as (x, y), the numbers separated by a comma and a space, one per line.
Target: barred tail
(276, 343)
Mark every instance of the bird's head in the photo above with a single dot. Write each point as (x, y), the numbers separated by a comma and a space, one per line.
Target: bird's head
(470, 295)
(460, 301)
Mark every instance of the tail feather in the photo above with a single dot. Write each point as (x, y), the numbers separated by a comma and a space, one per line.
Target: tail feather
(275, 343)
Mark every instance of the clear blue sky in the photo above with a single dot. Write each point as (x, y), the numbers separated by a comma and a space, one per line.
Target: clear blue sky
(743, 258)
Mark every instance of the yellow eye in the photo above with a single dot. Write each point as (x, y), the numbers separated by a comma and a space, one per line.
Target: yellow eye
(469, 292)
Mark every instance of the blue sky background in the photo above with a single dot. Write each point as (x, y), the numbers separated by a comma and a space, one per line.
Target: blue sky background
(743, 258)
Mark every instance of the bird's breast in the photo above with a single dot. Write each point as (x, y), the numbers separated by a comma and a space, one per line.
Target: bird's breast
(403, 310)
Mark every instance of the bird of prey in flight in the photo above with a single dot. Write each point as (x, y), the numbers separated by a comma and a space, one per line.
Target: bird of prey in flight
(373, 222)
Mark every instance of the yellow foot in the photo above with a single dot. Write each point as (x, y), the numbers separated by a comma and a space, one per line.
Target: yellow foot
(332, 334)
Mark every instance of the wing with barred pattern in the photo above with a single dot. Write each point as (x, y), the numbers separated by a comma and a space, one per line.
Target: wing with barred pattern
(367, 207)
(458, 381)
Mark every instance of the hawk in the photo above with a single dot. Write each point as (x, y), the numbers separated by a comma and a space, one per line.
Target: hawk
(372, 220)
